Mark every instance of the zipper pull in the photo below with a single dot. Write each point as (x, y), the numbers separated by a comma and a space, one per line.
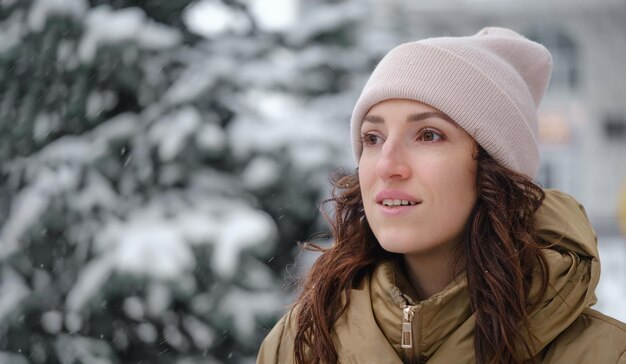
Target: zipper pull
(407, 330)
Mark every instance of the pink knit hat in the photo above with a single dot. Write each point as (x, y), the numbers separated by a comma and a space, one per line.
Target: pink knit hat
(490, 83)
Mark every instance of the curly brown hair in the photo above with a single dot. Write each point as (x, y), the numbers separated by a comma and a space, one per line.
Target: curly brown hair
(499, 239)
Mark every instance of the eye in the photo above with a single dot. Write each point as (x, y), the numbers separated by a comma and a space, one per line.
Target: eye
(370, 139)
(429, 135)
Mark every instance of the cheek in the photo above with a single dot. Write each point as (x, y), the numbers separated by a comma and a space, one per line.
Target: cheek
(367, 179)
(463, 180)
(455, 187)
(366, 173)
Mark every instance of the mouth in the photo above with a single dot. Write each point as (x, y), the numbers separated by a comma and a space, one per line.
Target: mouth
(395, 202)
(395, 199)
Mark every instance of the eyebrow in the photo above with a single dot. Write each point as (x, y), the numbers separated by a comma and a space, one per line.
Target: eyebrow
(413, 117)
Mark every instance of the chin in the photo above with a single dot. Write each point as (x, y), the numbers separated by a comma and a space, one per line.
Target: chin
(408, 244)
(396, 248)
(400, 246)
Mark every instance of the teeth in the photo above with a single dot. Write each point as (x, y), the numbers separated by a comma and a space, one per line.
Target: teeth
(390, 202)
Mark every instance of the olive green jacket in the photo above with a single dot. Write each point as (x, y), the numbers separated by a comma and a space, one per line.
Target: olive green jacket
(441, 328)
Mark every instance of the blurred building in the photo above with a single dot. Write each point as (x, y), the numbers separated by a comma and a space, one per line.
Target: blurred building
(583, 115)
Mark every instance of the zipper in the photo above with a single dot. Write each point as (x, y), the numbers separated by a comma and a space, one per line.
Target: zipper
(407, 329)
(407, 339)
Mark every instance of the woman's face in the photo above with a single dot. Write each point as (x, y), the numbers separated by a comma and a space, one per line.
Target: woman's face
(417, 175)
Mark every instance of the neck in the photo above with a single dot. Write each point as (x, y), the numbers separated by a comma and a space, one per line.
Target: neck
(429, 274)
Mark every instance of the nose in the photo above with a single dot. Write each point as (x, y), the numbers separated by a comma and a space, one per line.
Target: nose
(392, 162)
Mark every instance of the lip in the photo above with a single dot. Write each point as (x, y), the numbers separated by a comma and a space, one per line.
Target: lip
(394, 195)
(390, 211)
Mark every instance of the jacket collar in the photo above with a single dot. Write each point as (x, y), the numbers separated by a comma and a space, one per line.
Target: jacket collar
(434, 319)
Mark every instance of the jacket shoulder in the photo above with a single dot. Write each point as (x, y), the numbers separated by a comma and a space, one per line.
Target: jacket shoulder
(277, 347)
(602, 318)
(592, 338)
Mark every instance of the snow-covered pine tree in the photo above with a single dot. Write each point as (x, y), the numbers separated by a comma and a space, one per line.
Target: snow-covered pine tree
(155, 181)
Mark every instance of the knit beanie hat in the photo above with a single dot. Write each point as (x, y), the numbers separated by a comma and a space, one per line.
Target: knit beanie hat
(490, 83)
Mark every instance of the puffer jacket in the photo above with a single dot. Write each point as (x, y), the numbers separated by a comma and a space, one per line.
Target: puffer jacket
(441, 327)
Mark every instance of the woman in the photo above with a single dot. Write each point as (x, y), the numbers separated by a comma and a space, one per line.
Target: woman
(445, 250)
